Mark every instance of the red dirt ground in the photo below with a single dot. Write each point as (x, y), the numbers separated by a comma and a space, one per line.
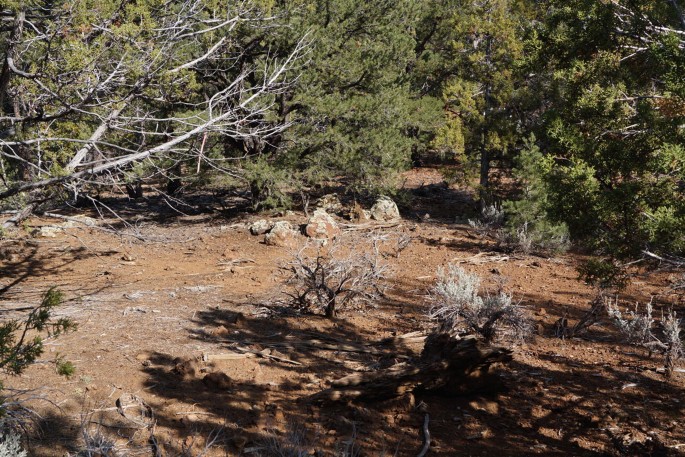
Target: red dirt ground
(146, 309)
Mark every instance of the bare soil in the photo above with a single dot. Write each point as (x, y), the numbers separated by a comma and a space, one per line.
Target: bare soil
(149, 309)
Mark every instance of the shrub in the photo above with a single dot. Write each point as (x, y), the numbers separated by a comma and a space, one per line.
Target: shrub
(10, 443)
(540, 237)
(528, 227)
(18, 349)
(604, 274)
(329, 281)
(491, 217)
(459, 307)
(21, 344)
(640, 328)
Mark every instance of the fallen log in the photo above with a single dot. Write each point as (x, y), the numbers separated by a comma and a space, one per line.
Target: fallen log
(447, 364)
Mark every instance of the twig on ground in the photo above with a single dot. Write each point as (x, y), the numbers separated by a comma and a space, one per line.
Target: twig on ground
(426, 438)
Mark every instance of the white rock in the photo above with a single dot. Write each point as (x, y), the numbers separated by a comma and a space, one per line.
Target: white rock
(385, 210)
(260, 227)
(282, 234)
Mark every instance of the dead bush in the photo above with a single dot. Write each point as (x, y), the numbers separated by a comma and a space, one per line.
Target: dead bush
(459, 307)
(328, 281)
(642, 329)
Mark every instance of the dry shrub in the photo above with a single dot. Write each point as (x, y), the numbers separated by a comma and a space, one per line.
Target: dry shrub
(459, 307)
(491, 217)
(642, 329)
(328, 281)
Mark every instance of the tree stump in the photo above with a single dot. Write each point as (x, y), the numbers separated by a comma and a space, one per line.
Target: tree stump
(447, 364)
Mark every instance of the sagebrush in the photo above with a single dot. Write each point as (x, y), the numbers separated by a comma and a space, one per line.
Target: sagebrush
(641, 328)
(459, 307)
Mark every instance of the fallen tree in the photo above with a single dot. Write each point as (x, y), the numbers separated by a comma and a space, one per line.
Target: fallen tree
(127, 91)
(447, 364)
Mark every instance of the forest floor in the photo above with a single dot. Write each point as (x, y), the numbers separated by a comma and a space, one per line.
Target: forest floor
(148, 310)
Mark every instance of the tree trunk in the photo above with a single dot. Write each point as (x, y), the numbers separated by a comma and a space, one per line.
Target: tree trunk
(484, 153)
(5, 74)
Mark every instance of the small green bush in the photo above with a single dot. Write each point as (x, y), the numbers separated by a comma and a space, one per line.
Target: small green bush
(528, 227)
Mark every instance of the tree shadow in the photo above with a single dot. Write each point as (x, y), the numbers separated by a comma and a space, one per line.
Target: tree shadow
(24, 260)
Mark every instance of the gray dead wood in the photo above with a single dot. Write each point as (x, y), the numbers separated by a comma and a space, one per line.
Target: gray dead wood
(426, 438)
(246, 353)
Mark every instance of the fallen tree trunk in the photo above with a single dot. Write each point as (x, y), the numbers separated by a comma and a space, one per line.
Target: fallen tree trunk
(447, 364)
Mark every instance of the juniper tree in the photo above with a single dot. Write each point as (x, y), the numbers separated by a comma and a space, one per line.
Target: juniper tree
(614, 124)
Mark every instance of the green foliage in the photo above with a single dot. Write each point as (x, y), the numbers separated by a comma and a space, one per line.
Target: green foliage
(356, 114)
(614, 124)
(21, 342)
(64, 367)
(486, 88)
(528, 225)
(603, 273)
(269, 184)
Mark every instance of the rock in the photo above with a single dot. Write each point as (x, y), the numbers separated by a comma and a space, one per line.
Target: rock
(282, 234)
(385, 210)
(79, 220)
(217, 381)
(330, 203)
(260, 227)
(322, 226)
(46, 231)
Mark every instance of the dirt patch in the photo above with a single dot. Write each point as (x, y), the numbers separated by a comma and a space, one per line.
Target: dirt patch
(149, 311)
